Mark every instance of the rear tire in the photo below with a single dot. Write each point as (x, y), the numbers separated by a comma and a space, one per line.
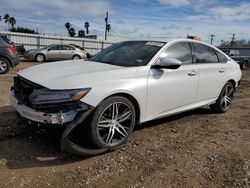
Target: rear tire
(4, 65)
(243, 66)
(75, 57)
(224, 101)
(112, 122)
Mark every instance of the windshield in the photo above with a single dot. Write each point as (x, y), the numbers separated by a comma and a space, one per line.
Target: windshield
(129, 53)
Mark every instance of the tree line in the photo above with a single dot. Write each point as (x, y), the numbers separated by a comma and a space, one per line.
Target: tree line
(72, 32)
(11, 21)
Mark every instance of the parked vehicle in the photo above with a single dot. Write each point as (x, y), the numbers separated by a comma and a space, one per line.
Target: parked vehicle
(8, 55)
(20, 49)
(240, 54)
(128, 83)
(55, 52)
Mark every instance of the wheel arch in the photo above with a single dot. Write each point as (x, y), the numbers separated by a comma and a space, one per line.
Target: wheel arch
(132, 99)
(233, 82)
(76, 55)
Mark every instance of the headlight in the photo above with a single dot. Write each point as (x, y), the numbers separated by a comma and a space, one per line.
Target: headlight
(46, 96)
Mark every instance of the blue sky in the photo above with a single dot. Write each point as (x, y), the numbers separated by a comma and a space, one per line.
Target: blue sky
(135, 18)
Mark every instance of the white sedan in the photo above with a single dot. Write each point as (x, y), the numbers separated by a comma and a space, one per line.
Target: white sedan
(128, 83)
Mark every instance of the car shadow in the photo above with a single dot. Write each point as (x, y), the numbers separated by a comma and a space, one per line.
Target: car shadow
(23, 146)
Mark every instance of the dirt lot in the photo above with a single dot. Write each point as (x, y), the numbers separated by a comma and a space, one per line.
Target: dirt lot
(193, 149)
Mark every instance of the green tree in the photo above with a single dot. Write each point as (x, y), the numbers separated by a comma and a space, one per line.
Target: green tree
(72, 32)
(81, 33)
(12, 21)
(6, 20)
(86, 25)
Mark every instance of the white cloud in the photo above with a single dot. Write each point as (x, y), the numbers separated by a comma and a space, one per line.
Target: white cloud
(233, 13)
(175, 3)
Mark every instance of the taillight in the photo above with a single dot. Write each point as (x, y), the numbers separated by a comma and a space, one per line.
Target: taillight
(12, 49)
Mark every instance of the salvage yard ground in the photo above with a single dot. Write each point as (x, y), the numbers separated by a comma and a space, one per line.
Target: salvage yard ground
(192, 149)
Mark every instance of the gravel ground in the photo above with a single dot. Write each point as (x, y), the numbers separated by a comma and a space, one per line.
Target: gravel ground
(192, 149)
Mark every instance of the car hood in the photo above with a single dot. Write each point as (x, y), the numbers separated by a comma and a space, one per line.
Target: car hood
(75, 74)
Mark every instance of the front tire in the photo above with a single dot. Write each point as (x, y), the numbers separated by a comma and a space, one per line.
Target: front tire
(223, 103)
(40, 58)
(4, 65)
(112, 122)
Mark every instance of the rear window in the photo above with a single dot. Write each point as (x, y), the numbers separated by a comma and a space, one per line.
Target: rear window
(221, 57)
(5, 38)
(205, 54)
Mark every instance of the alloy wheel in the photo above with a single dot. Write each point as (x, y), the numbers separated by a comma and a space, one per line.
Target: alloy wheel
(227, 97)
(115, 124)
(3, 65)
(40, 58)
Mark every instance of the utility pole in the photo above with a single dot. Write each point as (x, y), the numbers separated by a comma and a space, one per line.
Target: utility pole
(233, 39)
(212, 38)
(106, 24)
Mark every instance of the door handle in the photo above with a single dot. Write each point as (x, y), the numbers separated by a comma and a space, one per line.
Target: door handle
(192, 73)
(221, 70)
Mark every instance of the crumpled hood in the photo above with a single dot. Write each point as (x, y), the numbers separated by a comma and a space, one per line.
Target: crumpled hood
(74, 74)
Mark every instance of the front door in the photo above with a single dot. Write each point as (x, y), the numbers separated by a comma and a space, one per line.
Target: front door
(169, 90)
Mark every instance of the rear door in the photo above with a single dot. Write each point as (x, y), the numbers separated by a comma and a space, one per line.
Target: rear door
(68, 52)
(212, 72)
(54, 53)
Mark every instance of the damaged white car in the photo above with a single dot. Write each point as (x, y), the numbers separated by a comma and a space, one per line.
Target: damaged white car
(128, 83)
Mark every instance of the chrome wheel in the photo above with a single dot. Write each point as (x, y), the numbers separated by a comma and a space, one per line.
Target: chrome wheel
(3, 66)
(115, 123)
(227, 97)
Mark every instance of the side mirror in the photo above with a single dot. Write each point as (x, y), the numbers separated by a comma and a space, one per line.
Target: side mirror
(231, 55)
(167, 63)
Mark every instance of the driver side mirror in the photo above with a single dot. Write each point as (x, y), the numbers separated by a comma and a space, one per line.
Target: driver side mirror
(167, 63)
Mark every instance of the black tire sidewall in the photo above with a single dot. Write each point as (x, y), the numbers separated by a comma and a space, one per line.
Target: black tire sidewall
(93, 130)
(8, 65)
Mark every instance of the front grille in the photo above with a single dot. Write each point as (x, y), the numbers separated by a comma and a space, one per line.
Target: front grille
(22, 89)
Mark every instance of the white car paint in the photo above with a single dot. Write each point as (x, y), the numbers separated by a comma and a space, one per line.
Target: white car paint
(158, 92)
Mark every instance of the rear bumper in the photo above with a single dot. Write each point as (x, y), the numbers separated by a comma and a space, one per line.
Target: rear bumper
(14, 61)
(41, 117)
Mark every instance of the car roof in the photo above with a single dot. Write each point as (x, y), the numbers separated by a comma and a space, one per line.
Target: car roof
(168, 39)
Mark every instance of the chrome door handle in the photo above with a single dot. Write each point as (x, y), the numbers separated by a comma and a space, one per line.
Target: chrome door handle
(221, 70)
(192, 73)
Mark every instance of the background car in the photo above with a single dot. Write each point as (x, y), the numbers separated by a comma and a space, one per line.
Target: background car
(8, 55)
(240, 54)
(55, 52)
(130, 83)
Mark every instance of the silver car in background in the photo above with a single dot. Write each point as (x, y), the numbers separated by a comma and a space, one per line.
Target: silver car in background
(55, 52)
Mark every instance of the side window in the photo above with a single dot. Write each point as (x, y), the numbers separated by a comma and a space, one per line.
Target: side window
(181, 51)
(56, 47)
(205, 54)
(68, 48)
(221, 57)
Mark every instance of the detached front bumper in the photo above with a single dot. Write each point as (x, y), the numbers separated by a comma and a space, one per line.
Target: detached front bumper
(41, 117)
(73, 118)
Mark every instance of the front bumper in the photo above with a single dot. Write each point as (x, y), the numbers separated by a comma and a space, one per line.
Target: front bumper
(41, 117)
(73, 119)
